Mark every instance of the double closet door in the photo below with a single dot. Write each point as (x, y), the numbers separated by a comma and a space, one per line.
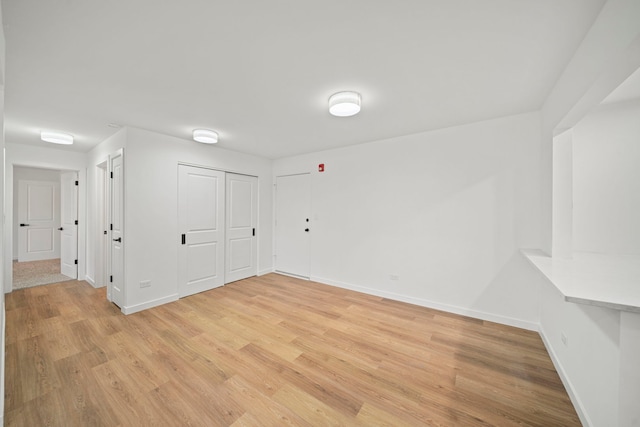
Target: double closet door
(217, 219)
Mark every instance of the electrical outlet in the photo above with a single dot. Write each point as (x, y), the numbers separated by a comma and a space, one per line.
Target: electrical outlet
(564, 339)
(145, 284)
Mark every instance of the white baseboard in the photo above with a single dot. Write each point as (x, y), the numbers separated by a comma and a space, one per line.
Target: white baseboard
(577, 403)
(265, 271)
(477, 314)
(149, 304)
(93, 283)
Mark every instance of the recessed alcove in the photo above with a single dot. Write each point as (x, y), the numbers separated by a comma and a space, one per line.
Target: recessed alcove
(595, 255)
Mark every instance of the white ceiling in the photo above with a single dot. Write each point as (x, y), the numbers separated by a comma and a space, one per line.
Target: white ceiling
(261, 72)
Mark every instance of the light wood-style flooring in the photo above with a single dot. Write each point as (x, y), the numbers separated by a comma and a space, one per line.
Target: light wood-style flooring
(269, 351)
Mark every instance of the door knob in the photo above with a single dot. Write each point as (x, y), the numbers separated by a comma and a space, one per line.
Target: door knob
(119, 239)
(60, 229)
(306, 229)
(24, 225)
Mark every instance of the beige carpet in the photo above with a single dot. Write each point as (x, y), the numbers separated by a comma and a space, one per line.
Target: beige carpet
(35, 273)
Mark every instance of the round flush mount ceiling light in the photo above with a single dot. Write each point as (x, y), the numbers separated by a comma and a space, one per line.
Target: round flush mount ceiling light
(56, 138)
(344, 104)
(205, 136)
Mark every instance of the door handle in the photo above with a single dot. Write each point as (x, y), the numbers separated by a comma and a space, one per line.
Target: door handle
(24, 225)
(119, 239)
(60, 228)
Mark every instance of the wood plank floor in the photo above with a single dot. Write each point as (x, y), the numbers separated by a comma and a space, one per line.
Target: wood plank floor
(269, 351)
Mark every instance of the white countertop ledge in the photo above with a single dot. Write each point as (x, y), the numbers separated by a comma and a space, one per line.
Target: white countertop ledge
(611, 281)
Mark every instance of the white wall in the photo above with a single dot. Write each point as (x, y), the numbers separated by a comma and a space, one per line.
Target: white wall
(589, 363)
(562, 243)
(31, 174)
(606, 187)
(45, 158)
(446, 211)
(151, 232)
(2, 207)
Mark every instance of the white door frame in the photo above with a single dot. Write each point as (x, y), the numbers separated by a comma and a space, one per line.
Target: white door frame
(102, 225)
(8, 210)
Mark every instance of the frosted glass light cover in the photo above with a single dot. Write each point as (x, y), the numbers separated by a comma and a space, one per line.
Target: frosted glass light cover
(344, 104)
(205, 136)
(56, 138)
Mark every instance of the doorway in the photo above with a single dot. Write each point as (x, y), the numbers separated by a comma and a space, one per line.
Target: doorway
(43, 252)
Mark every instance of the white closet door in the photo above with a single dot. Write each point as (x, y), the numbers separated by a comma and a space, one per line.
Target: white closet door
(201, 224)
(242, 218)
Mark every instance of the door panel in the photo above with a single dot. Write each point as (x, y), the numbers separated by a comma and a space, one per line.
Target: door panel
(201, 221)
(69, 232)
(117, 230)
(242, 219)
(39, 219)
(293, 224)
(199, 265)
(240, 252)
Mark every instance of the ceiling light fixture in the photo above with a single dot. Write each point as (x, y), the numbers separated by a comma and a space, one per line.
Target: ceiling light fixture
(56, 138)
(344, 104)
(205, 136)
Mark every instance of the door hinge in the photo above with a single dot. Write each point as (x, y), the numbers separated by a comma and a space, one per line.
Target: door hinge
(111, 175)
(111, 227)
(76, 262)
(76, 221)
(76, 182)
(184, 239)
(254, 231)
(111, 279)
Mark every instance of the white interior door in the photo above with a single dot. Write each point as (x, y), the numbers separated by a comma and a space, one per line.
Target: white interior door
(293, 224)
(241, 243)
(116, 279)
(39, 218)
(69, 224)
(201, 224)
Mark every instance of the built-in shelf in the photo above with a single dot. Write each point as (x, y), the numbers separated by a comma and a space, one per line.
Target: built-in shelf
(602, 280)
